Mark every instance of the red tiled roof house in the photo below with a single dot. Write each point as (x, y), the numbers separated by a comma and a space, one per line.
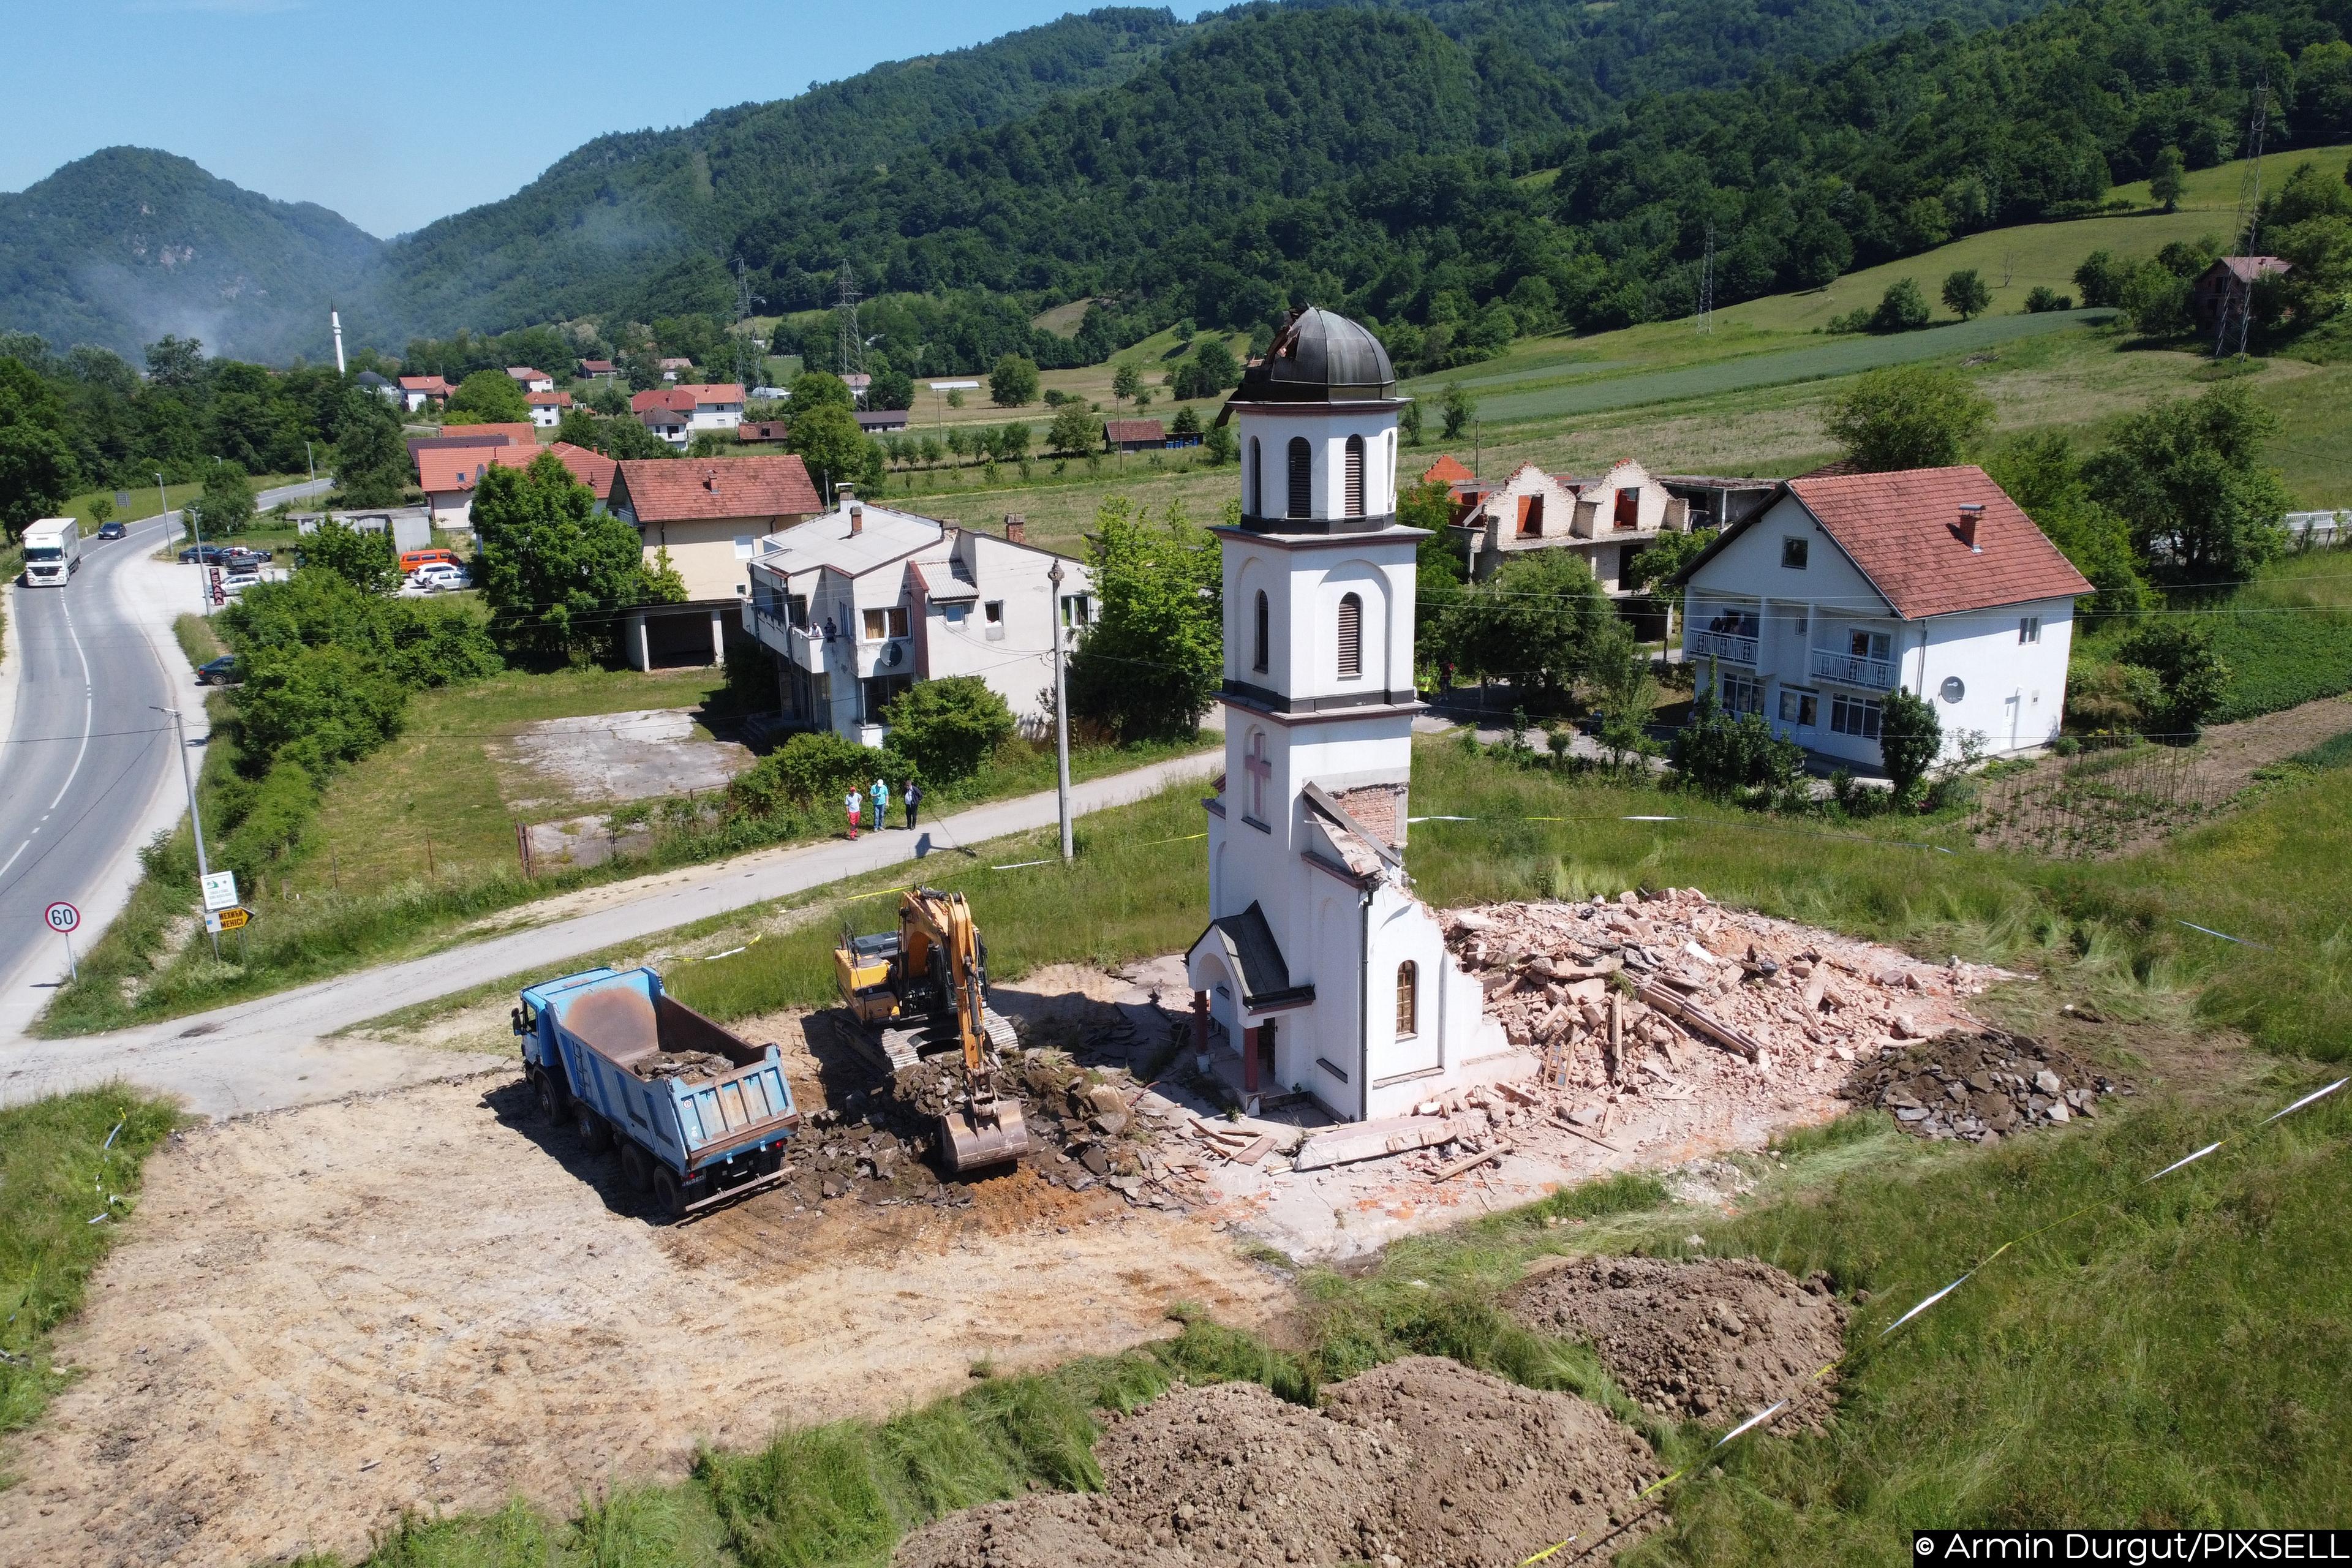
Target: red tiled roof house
(709, 513)
(1811, 609)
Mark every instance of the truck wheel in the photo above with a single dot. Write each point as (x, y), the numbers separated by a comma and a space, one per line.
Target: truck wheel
(667, 1200)
(635, 1168)
(593, 1131)
(548, 1107)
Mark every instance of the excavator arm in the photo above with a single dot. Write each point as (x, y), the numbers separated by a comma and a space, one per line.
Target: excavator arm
(937, 937)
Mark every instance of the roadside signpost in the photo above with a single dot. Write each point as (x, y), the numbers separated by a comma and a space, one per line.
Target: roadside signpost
(220, 891)
(64, 919)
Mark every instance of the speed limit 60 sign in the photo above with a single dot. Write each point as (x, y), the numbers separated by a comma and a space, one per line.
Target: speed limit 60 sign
(63, 917)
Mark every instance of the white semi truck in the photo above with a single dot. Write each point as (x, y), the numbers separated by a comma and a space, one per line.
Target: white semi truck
(52, 552)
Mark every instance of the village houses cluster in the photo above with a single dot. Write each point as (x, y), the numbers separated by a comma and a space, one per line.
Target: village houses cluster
(1321, 971)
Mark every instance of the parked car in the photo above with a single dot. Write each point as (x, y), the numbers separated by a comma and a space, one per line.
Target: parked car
(221, 671)
(239, 579)
(440, 577)
(239, 555)
(203, 555)
(410, 560)
(110, 531)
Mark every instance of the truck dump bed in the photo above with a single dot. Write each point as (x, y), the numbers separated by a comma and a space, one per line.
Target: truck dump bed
(693, 1095)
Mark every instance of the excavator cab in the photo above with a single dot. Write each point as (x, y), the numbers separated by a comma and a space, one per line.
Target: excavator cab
(922, 991)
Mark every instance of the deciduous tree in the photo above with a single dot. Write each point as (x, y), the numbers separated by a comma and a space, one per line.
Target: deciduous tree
(1151, 666)
(555, 572)
(1908, 416)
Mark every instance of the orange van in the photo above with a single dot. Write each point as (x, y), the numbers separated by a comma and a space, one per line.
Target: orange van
(410, 560)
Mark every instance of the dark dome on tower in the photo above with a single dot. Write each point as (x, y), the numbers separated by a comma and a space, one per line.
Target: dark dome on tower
(1319, 357)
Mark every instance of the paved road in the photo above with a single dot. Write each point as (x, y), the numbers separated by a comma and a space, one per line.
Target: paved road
(88, 771)
(272, 1051)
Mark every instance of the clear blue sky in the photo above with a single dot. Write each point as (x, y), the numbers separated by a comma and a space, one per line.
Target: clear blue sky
(394, 115)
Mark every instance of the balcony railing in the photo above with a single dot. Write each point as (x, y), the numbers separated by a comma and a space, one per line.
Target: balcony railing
(803, 646)
(1724, 645)
(1877, 674)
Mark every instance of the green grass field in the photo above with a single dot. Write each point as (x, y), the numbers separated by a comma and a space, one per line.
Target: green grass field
(69, 1168)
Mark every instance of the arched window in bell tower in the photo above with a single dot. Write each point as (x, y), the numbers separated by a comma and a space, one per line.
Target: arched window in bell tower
(1302, 478)
(1261, 641)
(1351, 636)
(1355, 487)
(1253, 503)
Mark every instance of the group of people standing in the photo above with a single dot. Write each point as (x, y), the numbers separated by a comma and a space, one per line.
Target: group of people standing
(854, 802)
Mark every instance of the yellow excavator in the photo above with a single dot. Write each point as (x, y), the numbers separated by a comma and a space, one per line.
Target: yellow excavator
(919, 990)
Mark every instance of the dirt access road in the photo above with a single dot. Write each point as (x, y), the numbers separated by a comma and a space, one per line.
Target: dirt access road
(425, 1298)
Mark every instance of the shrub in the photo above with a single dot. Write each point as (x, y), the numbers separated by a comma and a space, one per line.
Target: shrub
(1909, 736)
(318, 706)
(2185, 678)
(1724, 755)
(2042, 298)
(946, 729)
(271, 820)
(810, 771)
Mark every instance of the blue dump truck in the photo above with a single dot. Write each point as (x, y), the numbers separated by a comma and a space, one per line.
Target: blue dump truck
(700, 1116)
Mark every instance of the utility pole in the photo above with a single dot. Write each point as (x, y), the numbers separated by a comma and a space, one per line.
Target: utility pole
(204, 580)
(203, 868)
(1706, 283)
(1061, 721)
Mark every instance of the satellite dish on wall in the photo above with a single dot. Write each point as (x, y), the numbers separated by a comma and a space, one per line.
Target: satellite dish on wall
(895, 655)
(1954, 688)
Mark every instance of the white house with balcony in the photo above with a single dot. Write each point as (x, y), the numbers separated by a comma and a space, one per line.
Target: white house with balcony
(1320, 971)
(1843, 588)
(678, 414)
(858, 604)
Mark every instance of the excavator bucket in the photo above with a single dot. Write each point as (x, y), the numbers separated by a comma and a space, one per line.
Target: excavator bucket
(976, 1136)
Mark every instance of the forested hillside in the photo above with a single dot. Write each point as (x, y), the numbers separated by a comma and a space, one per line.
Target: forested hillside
(127, 245)
(1367, 158)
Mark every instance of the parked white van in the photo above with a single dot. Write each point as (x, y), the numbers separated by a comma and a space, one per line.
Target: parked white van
(52, 552)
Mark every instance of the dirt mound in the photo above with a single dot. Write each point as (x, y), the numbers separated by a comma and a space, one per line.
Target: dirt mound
(1499, 1471)
(1981, 1087)
(1717, 1339)
(1222, 1474)
(1422, 1461)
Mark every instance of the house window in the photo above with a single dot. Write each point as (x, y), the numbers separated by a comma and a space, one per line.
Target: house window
(1351, 636)
(1794, 551)
(1302, 477)
(742, 547)
(1854, 716)
(879, 692)
(955, 613)
(796, 610)
(1263, 642)
(2029, 629)
(1626, 554)
(1868, 645)
(1408, 1019)
(992, 612)
(886, 622)
(1532, 517)
(1742, 694)
(1802, 709)
(1077, 610)
(1355, 480)
(1629, 509)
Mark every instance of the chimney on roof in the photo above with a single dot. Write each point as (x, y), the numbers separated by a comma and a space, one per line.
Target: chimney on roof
(711, 479)
(856, 519)
(844, 495)
(1016, 528)
(1972, 513)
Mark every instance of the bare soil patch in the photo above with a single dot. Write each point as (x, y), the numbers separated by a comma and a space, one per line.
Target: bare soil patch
(2102, 804)
(1714, 1339)
(1422, 1461)
(429, 1299)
